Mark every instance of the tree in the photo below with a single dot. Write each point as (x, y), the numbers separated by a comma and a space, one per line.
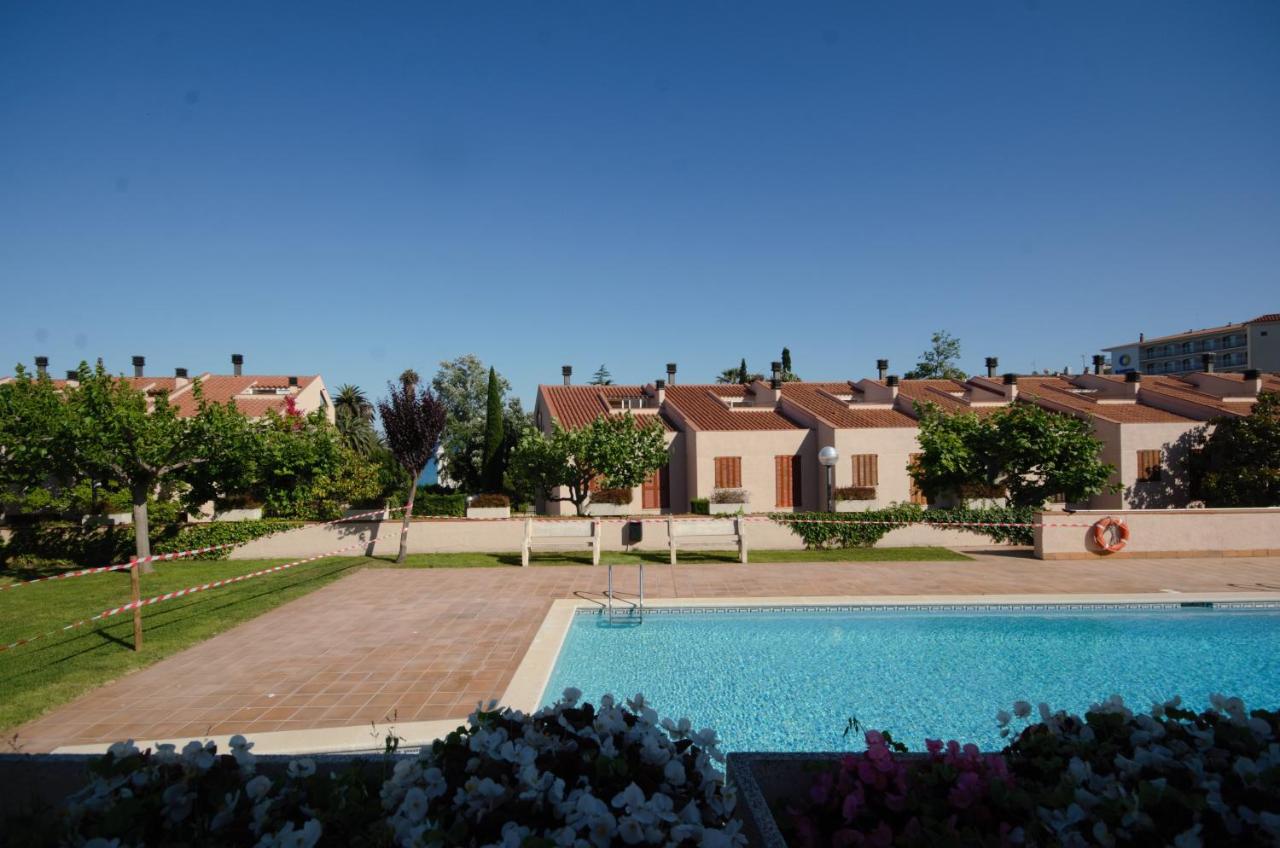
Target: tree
(462, 385)
(495, 459)
(602, 377)
(1236, 461)
(787, 375)
(118, 438)
(353, 416)
(939, 361)
(413, 422)
(36, 441)
(616, 450)
(738, 374)
(1030, 452)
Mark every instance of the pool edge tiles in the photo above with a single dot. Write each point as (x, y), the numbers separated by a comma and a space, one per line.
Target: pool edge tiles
(527, 687)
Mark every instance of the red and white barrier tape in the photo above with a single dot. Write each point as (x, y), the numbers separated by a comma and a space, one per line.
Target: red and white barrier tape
(190, 590)
(173, 555)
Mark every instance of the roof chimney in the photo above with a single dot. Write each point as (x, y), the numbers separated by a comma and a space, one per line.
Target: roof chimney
(138, 363)
(567, 371)
(776, 382)
(992, 364)
(293, 382)
(1252, 381)
(891, 381)
(660, 389)
(1010, 383)
(73, 375)
(1133, 377)
(237, 364)
(180, 373)
(1206, 361)
(1142, 337)
(882, 365)
(42, 366)
(1098, 360)
(671, 373)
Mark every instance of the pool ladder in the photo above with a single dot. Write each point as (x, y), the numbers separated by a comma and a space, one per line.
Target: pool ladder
(634, 607)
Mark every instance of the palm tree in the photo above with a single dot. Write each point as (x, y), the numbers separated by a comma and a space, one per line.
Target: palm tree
(353, 416)
(351, 401)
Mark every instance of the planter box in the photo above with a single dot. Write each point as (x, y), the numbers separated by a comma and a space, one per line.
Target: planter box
(239, 514)
(728, 508)
(488, 512)
(855, 506)
(603, 509)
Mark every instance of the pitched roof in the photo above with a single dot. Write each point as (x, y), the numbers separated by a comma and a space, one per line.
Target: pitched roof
(944, 393)
(1062, 392)
(222, 388)
(820, 399)
(702, 407)
(578, 406)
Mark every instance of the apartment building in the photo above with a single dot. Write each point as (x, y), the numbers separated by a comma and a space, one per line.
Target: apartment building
(253, 394)
(1233, 347)
(764, 438)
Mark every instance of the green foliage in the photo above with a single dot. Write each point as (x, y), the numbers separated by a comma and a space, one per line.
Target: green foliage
(939, 361)
(855, 493)
(739, 374)
(490, 501)
(617, 497)
(1237, 464)
(860, 530)
(353, 416)
(787, 375)
(1030, 452)
(602, 377)
(700, 506)
(303, 471)
(462, 385)
(73, 546)
(495, 459)
(428, 503)
(618, 450)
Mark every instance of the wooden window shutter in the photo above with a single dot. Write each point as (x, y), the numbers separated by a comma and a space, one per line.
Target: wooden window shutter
(917, 496)
(1149, 466)
(728, 472)
(788, 487)
(866, 469)
(651, 492)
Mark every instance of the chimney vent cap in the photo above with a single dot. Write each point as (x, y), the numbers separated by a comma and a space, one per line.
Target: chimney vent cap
(180, 372)
(882, 364)
(237, 359)
(139, 360)
(659, 384)
(1010, 379)
(1133, 377)
(566, 370)
(992, 361)
(1252, 374)
(892, 380)
(72, 374)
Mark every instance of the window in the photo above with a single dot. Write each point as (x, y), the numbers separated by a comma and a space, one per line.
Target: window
(917, 496)
(655, 491)
(866, 469)
(728, 472)
(1149, 463)
(1186, 347)
(787, 485)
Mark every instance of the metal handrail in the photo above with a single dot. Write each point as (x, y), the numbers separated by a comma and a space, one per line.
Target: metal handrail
(609, 590)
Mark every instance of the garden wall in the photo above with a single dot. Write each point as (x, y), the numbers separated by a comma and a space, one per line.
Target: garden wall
(462, 536)
(1165, 533)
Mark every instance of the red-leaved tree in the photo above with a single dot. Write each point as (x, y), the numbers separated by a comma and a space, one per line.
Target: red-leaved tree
(413, 421)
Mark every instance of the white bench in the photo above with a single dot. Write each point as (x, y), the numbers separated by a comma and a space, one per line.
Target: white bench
(707, 533)
(560, 536)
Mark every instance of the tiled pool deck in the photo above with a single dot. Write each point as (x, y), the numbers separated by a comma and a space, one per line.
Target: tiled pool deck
(427, 645)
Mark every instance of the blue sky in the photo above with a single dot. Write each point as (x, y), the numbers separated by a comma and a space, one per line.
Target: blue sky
(352, 189)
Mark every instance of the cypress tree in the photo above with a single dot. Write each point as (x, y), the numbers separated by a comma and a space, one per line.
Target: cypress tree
(493, 469)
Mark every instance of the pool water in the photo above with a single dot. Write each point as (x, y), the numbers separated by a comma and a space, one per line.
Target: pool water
(772, 680)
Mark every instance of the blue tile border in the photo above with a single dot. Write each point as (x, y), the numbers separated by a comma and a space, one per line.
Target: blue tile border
(752, 609)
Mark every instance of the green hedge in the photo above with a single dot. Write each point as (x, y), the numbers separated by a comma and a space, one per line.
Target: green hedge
(857, 530)
(700, 506)
(428, 503)
(72, 545)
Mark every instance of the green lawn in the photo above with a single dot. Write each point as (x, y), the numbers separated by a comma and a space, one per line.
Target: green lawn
(56, 669)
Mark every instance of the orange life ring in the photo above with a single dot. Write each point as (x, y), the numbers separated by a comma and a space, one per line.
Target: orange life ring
(1100, 534)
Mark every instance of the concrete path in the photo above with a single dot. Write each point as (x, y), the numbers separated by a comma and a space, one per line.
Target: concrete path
(401, 646)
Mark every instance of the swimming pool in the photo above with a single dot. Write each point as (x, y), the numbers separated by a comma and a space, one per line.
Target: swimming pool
(788, 679)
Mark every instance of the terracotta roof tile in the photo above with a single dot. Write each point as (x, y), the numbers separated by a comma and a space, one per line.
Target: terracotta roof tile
(817, 398)
(578, 406)
(1062, 392)
(701, 407)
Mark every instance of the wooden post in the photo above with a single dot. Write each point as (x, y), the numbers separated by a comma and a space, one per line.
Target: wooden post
(137, 608)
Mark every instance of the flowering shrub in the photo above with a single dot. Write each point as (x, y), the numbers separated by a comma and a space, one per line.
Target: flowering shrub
(1171, 777)
(729, 496)
(567, 776)
(855, 493)
(616, 496)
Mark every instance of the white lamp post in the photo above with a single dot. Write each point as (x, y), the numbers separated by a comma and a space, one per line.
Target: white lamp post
(828, 457)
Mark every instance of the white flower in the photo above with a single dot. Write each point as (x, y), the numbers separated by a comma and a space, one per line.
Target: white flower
(513, 834)
(288, 837)
(198, 755)
(436, 785)
(1188, 838)
(177, 802)
(629, 799)
(120, 750)
(301, 768)
(415, 804)
(571, 696)
(601, 828)
(1003, 718)
(631, 831)
(258, 787)
(1022, 709)
(673, 771)
(165, 754)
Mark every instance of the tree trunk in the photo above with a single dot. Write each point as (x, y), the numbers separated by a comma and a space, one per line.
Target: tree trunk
(141, 527)
(404, 522)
